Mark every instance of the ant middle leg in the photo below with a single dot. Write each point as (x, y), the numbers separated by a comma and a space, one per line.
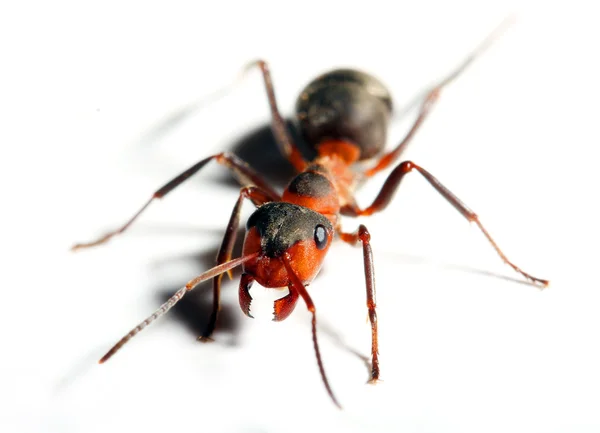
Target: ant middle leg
(244, 173)
(393, 181)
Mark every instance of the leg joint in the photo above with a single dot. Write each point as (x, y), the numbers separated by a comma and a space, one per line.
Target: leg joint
(363, 234)
(406, 166)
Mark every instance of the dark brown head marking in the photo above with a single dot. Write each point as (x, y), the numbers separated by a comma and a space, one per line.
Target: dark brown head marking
(281, 225)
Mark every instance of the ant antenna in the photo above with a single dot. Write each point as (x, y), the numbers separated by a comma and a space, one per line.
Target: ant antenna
(217, 270)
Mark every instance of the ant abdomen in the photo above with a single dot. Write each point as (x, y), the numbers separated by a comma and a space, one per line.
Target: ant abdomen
(348, 105)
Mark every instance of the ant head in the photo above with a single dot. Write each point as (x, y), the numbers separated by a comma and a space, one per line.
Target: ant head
(277, 228)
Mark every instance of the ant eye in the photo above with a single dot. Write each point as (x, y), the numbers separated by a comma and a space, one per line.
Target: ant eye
(320, 237)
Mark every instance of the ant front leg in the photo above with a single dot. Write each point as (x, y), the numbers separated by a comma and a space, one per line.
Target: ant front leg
(244, 173)
(362, 235)
(392, 183)
(258, 197)
(282, 136)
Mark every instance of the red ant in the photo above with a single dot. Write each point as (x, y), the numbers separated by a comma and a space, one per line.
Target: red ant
(344, 115)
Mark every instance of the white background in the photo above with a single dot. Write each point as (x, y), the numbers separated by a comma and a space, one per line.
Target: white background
(90, 97)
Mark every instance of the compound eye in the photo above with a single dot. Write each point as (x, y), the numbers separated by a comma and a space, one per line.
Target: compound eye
(320, 237)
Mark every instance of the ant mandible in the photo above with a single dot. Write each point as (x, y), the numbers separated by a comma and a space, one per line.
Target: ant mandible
(343, 115)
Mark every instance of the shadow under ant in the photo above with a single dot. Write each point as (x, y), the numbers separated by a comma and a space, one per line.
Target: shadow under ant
(194, 309)
(430, 261)
(339, 341)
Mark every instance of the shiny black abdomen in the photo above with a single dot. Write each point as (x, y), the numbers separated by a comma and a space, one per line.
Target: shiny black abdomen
(348, 105)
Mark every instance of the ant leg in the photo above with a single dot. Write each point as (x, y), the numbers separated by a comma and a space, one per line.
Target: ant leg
(389, 158)
(296, 285)
(282, 136)
(258, 197)
(363, 235)
(393, 181)
(244, 173)
(431, 99)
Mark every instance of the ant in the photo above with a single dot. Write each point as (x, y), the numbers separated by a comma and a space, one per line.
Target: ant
(344, 116)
